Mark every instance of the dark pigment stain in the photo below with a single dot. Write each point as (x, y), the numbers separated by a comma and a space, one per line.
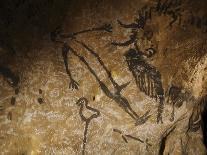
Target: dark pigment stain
(40, 100)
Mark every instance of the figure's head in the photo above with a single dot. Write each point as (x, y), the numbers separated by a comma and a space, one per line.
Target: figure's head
(81, 101)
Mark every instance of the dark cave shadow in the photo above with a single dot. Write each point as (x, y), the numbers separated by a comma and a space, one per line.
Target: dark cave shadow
(204, 121)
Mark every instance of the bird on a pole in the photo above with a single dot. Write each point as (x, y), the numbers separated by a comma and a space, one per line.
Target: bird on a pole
(94, 113)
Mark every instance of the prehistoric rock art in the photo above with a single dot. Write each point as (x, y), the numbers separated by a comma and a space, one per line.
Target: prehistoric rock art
(117, 97)
(83, 103)
(148, 79)
(57, 33)
(105, 77)
(73, 83)
(127, 136)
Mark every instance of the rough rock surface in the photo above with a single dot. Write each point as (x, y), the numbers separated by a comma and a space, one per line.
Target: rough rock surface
(50, 111)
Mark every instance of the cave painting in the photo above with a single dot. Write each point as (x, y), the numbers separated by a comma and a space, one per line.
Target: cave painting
(127, 137)
(138, 61)
(117, 96)
(83, 104)
(148, 79)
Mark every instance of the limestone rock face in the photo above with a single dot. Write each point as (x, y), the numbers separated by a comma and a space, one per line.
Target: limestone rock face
(115, 77)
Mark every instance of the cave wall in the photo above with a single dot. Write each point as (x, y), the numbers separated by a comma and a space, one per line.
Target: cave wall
(103, 77)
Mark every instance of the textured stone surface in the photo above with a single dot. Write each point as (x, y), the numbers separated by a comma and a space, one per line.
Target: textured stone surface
(45, 118)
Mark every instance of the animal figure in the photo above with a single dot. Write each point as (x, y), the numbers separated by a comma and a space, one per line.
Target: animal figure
(147, 78)
(83, 104)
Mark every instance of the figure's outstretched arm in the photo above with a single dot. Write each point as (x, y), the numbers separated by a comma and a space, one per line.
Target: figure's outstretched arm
(105, 27)
(73, 84)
